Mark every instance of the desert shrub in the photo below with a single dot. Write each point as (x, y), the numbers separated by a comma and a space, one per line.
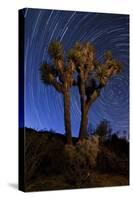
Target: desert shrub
(109, 161)
(53, 160)
(80, 159)
(118, 145)
(44, 155)
(89, 149)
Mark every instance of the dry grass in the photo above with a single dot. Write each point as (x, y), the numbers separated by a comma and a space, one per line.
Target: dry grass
(44, 183)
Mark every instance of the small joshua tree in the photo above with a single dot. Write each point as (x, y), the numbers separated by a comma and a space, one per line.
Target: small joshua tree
(60, 76)
(92, 76)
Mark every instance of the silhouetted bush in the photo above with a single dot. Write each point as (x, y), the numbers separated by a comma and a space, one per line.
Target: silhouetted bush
(108, 161)
(118, 145)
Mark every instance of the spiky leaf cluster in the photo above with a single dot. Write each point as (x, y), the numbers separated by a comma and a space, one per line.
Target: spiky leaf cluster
(55, 50)
(47, 73)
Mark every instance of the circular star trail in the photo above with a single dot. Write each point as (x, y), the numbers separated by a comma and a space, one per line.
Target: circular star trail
(43, 104)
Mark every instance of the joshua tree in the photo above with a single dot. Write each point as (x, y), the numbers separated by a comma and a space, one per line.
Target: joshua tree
(92, 76)
(60, 75)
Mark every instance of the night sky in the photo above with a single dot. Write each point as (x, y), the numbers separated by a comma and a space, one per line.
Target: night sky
(43, 104)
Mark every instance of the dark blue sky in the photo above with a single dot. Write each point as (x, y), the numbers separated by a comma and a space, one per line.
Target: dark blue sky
(43, 104)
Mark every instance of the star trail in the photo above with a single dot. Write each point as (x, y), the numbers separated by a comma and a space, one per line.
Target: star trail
(43, 104)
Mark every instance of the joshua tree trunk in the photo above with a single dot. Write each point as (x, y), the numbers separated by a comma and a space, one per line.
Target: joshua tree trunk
(67, 119)
(84, 112)
(84, 121)
(85, 105)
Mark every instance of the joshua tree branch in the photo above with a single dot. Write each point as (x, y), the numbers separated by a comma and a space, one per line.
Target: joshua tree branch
(55, 83)
(49, 77)
(59, 66)
(93, 97)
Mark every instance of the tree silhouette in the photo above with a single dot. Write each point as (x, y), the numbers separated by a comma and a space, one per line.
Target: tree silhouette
(60, 76)
(103, 130)
(92, 76)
